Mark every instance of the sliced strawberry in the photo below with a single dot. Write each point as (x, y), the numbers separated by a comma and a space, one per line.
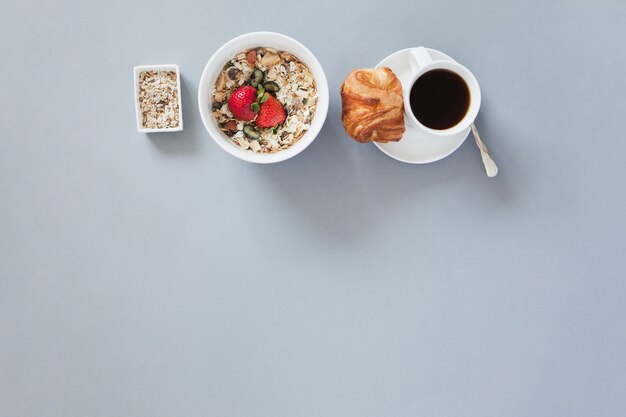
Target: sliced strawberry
(240, 102)
(271, 113)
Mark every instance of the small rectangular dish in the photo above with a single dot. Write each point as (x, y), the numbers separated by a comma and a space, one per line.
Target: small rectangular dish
(158, 103)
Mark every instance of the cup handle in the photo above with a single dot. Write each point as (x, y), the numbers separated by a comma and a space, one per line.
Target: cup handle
(419, 57)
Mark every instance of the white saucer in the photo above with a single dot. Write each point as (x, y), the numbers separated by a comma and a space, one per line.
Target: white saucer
(417, 146)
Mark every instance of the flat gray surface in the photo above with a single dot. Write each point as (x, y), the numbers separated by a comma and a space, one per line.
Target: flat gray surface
(158, 276)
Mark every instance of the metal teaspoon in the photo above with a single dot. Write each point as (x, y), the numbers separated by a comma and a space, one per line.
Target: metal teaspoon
(490, 166)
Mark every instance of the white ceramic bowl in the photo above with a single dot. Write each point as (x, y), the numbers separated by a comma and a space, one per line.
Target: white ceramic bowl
(225, 53)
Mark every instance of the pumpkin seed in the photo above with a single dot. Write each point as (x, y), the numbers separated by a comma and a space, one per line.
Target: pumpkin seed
(256, 78)
(251, 132)
(271, 86)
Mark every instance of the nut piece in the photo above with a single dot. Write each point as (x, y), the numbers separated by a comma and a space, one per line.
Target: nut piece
(270, 59)
(221, 81)
(231, 126)
(251, 58)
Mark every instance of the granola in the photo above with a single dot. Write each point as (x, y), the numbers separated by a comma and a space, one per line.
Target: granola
(158, 99)
(285, 77)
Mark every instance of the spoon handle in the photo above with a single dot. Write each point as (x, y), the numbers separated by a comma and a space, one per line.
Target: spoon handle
(490, 166)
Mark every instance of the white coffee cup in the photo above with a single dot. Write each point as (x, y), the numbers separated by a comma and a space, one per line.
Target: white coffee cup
(421, 62)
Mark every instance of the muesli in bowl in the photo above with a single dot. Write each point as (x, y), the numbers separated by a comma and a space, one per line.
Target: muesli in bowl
(264, 99)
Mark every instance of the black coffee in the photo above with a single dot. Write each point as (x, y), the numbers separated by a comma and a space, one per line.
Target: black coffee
(439, 99)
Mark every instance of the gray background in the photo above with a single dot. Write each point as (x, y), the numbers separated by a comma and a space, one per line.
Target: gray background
(158, 276)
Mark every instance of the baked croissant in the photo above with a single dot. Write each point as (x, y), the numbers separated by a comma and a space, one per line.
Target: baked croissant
(372, 108)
